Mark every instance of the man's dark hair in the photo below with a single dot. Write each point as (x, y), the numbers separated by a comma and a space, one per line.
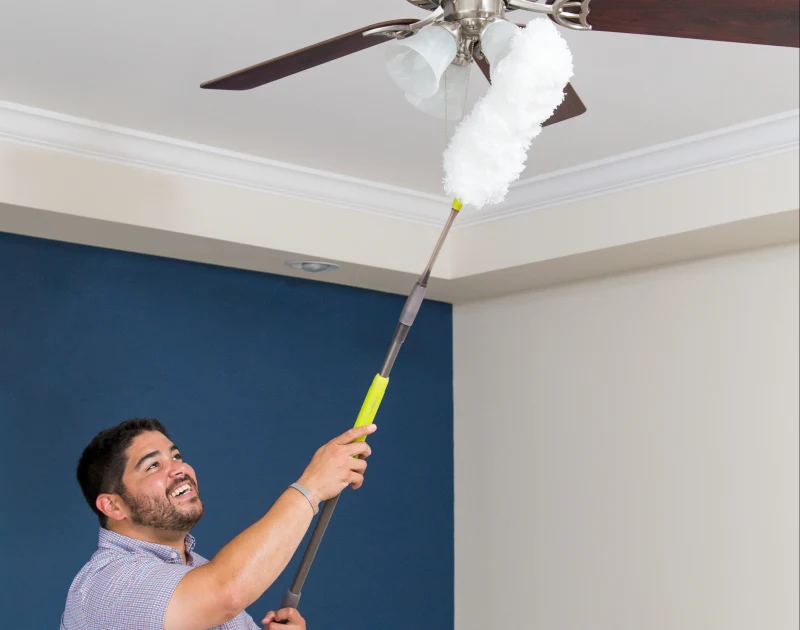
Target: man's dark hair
(103, 462)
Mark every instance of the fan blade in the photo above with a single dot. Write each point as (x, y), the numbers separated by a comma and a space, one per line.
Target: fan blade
(767, 22)
(484, 66)
(303, 59)
(570, 107)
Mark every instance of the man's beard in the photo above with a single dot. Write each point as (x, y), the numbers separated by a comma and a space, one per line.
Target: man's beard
(150, 512)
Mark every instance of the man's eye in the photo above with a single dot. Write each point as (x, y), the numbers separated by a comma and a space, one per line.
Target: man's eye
(177, 456)
(153, 465)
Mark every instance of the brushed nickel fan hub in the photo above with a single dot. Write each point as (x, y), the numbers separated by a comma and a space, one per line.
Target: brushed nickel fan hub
(473, 11)
(467, 18)
(473, 14)
(457, 10)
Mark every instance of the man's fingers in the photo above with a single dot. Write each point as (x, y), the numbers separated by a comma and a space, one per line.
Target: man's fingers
(358, 465)
(284, 618)
(360, 449)
(289, 613)
(356, 432)
(356, 480)
(284, 614)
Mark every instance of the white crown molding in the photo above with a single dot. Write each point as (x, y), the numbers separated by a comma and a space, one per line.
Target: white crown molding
(55, 131)
(749, 141)
(753, 140)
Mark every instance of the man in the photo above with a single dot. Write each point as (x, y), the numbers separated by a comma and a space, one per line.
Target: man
(146, 575)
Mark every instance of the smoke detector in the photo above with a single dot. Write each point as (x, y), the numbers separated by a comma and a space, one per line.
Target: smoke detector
(312, 266)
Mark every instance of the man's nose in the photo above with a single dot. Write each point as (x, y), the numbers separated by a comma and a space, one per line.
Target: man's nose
(177, 469)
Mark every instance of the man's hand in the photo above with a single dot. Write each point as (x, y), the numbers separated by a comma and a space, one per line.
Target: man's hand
(288, 616)
(338, 464)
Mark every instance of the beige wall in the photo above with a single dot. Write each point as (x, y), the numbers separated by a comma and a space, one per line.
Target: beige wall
(626, 451)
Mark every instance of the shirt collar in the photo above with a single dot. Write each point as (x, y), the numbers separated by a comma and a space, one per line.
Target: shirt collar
(111, 540)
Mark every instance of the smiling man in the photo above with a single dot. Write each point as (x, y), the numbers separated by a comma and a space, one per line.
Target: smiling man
(145, 574)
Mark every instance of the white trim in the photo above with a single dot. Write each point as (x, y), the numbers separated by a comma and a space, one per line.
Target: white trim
(86, 138)
(732, 145)
(749, 141)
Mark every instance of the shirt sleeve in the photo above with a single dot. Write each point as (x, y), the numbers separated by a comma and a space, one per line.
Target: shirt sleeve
(247, 619)
(132, 594)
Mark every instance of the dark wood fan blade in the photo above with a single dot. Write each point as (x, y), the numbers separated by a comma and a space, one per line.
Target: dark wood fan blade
(303, 59)
(769, 22)
(571, 106)
(484, 66)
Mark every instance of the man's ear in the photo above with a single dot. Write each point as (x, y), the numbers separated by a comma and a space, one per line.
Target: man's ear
(112, 506)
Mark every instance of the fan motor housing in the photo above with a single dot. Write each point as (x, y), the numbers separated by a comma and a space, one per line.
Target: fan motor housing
(465, 9)
(470, 15)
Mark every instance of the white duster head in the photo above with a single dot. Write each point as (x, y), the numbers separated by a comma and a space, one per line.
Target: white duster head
(488, 150)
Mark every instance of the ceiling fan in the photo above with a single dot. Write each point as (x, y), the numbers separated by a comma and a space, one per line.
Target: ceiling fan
(475, 29)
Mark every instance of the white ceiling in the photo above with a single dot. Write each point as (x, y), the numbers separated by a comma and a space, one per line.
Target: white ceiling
(689, 149)
(139, 65)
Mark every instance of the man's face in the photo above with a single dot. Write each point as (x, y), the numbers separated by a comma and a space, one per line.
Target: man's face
(156, 480)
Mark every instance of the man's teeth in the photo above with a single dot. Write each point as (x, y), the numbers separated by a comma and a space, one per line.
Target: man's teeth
(181, 490)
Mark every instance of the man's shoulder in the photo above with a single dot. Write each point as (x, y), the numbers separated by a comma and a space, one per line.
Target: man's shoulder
(105, 566)
(121, 584)
(108, 564)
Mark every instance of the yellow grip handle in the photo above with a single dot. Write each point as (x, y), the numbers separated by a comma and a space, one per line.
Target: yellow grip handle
(371, 403)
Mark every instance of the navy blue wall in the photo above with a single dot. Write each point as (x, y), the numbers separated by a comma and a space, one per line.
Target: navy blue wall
(250, 373)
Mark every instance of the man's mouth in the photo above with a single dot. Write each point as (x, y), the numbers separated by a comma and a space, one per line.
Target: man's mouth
(182, 491)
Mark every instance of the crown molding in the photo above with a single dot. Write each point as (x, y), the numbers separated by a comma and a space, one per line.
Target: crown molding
(752, 140)
(86, 138)
(55, 131)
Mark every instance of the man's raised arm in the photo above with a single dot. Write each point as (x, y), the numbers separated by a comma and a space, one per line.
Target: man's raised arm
(248, 565)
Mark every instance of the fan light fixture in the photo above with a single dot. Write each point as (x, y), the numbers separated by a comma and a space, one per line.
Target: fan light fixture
(432, 68)
(312, 266)
(416, 64)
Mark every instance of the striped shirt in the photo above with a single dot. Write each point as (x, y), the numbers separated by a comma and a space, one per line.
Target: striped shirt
(127, 585)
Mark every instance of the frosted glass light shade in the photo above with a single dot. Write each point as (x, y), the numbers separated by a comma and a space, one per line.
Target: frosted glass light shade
(417, 63)
(496, 41)
(449, 98)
